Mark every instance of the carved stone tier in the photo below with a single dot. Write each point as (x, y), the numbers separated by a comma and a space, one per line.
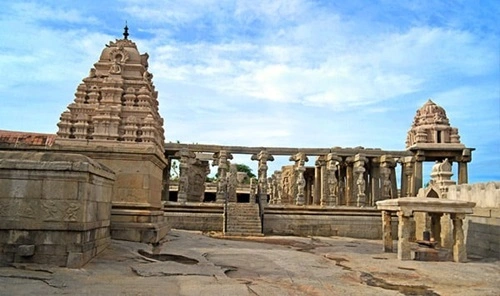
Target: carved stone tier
(117, 102)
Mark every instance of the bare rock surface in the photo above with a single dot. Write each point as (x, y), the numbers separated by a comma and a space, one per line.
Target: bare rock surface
(191, 263)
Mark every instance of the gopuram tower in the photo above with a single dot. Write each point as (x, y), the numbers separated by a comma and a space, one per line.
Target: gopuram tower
(114, 119)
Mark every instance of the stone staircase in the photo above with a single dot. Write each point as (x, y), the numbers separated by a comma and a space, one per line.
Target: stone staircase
(243, 219)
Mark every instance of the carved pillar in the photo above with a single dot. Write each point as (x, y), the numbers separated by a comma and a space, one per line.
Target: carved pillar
(276, 187)
(301, 184)
(221, 159)
(232, 183)
(407, 173)
(459, 250)
(263, 157)
(186, 158)
(359, 170)
(404, 251)
(387, 171)
(300, 160)
(253, 190)
(386, 231)
(331, 196)
(348, 192)
(279, 189)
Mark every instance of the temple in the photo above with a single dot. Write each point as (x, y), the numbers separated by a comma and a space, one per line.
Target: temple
(107, 174)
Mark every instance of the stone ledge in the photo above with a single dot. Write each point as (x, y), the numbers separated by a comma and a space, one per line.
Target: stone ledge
(51, 161)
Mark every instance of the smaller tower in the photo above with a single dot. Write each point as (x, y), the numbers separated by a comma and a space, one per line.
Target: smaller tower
(432, 138)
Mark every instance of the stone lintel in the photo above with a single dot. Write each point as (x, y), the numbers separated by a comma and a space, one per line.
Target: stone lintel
(429, 205)
(171, 148)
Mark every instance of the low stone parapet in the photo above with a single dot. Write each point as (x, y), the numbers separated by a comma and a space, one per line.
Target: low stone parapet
(54, 208)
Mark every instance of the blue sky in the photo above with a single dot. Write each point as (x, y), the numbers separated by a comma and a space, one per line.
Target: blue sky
(270, 73)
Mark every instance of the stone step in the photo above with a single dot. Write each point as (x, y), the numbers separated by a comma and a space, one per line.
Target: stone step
(243, 234)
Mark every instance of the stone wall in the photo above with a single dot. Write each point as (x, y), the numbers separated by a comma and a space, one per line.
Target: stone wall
(54, 208)
(285, 220)
(482, 228)
(194, 216)
(345, 222)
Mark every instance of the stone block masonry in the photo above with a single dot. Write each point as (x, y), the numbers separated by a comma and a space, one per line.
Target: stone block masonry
(55, 208)
(482, 227)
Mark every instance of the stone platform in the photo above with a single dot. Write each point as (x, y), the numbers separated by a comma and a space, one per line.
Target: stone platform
(195, 264)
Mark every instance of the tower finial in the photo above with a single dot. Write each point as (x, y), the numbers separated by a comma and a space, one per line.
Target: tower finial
(125, 32)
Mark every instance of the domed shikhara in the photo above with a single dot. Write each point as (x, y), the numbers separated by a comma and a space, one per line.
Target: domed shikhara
(117, 102)
(431, 126)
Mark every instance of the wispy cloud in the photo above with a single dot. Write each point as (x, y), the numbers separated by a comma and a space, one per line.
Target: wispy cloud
(285, 73)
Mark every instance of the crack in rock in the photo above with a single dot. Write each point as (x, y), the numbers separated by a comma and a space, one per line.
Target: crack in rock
(373, 281)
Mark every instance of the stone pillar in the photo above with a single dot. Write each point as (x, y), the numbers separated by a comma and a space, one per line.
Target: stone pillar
(165, 193)
(417, 175)
(459, 250)
(300, 160)
(375, 181)
(348, 192)
(232, 183)
(394, 185)
(462, 173)
(331, 196)
(387, 231)
(407, 171)
(263, 157)
(404, 231)
(186, 159)
(341, 185)
(436, 227)
(387, 173)
(317, 182)
(277, 187)
(359, 170)
(221, 159)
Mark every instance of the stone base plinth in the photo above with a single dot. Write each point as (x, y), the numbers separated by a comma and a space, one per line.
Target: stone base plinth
(71, 249)
(54, 208)
(430, 254)
(146, 226)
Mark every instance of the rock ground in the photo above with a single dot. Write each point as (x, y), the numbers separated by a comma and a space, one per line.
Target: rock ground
(192, 263)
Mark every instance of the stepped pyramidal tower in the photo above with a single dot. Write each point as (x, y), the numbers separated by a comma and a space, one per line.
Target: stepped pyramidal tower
(116, 103)
(114, 119)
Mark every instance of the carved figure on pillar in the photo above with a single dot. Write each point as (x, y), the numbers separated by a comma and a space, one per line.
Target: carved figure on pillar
(361, 184)
(232, 183)
(332, 163)
(359, 169)
(385, 174)
(253, 190)
(300, 160)
(263, 157)
(186, 159)
(221, 159)
(301, 184)
(277, 187)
